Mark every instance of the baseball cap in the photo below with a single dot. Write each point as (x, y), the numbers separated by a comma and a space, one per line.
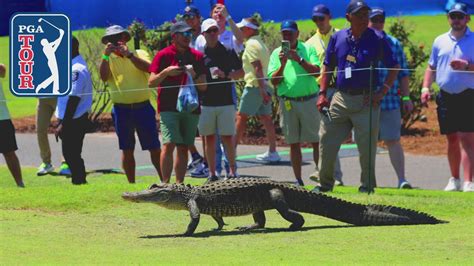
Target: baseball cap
(114, 30)
(289, 25)
(377, 11)
(355, 6)
(191, 11)
(321, 11)
(179, 26)
(208, 23)
(459, 8)
(246, 23)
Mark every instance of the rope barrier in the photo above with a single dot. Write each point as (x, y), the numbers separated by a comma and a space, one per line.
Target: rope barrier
(233, 81)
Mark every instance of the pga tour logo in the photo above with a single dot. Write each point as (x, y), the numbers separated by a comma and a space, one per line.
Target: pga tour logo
(40, 54)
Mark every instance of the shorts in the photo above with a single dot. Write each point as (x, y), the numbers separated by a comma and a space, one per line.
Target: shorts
(178, 128)
(300, 123)
(217, 117)
(390, 125)
(142, 120)
(455, 111)
(251, 103)
(7, 136)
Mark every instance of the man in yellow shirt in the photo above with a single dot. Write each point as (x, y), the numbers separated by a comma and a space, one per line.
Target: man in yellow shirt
(322, 19)
(127, 75)
(256, 98)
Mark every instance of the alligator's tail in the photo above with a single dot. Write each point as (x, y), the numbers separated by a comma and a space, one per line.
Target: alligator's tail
(356, 214)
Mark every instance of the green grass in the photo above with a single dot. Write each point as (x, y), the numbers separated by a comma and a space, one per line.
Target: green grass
(52, 222)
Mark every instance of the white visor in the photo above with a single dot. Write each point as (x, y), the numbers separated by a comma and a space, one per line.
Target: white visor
(246, 23)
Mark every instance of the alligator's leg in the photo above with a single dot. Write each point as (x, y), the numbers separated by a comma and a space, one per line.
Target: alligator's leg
(281, 206)
(259, 218)
(194, 213)
(220, 222)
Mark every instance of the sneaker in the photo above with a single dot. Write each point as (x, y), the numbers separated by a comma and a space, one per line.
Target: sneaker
(405, 185)
(320, 189)
(201, 171)
(64, 169)
(44, 169)
(468, 187)
(363, 189)
(454, 184)
(270, 157)
(193, 162)
(299, 183)
(211, 179)
(338, 183)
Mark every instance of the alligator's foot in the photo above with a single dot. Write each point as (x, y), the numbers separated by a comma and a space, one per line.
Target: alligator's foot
(296, 226)
(220, 222)
(249, 227)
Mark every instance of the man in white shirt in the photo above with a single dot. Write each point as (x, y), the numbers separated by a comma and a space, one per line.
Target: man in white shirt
(72, 112)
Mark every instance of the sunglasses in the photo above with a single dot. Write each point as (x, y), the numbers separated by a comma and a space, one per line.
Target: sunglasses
(459, 16)
(188, 16)
(213, 30)
(315, 19)
(186, 34)
(378, 19)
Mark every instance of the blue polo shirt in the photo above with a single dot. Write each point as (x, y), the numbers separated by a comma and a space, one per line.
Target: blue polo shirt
(370, 47)
(447, 48)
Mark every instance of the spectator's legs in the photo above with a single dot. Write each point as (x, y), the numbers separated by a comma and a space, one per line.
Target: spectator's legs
(229, 149)
(72, 140)
(467, 166)
(155, 159)
(14, 166)
(211, 153)
(180, 163)
(467, 142)
(296, 158)
(240, 126)
(128, 165)
(219, 154)
(315, 152)
(45, 110)
(397, 157)
(166, 159)
(454, 154)
(267, 123)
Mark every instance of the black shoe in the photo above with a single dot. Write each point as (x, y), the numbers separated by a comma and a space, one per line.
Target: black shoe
(363, 189)
(211, 179)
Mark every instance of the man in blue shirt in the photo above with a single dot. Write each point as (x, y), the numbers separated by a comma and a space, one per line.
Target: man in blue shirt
(390, 115)
(72, 112)
(353, 51)
(452, 59)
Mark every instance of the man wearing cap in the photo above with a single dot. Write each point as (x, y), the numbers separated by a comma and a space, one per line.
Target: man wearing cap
(292, 73)
(72, 112)
(390, 115)
(451, 64)
(168, 71)
(322, 18)
(126, 74)
(218, 111)
(8, 144)
(192, 16)
(256, 98)
(357, 47)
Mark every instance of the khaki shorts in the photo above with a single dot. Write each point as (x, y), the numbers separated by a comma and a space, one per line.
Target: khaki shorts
(390, 124)
(178, 128)
(214, 118)
(251, 103)
(300, 123)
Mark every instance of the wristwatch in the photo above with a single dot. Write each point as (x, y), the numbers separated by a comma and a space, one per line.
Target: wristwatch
(301, 60)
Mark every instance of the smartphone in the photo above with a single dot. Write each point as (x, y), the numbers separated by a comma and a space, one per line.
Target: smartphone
(285, 46)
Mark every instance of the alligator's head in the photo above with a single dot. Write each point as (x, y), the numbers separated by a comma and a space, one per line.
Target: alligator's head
(171, 196)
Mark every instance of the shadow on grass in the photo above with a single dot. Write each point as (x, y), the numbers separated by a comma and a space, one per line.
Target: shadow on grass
(257, 231)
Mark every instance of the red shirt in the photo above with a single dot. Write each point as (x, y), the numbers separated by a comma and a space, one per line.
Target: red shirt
(167, 97)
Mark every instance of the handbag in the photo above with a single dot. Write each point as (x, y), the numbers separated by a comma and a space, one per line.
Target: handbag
(188, 100)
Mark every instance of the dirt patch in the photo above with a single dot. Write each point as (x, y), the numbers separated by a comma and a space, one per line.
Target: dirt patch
(422, 138)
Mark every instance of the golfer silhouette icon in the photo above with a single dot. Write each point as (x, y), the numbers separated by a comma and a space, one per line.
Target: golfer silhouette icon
(49, 50)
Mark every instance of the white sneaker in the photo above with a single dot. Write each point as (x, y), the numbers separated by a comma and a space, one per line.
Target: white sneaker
(271, 157)
(468, 187)
(454, 184)
(44, 169)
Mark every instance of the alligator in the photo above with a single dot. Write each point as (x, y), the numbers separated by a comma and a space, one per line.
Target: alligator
(243, 196)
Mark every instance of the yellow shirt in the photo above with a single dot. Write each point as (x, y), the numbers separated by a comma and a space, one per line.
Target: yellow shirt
(4, 114)
(255, 50)
(125, 77)
(320, 43)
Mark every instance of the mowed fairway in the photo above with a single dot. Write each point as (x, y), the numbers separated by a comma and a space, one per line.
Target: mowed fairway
(53, 222)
